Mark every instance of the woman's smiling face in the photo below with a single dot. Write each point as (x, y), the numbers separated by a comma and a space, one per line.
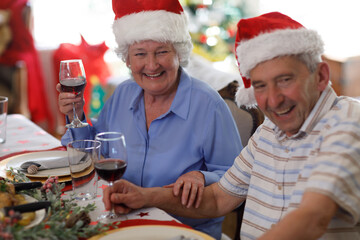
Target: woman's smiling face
(154, 66)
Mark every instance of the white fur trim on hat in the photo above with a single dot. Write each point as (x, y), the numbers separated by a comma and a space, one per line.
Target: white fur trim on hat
(277, 43)
(159, 25)
(245, 97)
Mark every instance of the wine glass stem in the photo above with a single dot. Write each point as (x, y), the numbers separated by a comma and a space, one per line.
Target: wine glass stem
(75, 115)
(112, 204)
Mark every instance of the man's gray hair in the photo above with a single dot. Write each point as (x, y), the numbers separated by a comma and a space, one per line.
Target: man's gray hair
(311, 60)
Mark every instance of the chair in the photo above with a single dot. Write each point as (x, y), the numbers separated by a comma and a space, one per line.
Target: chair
(243, 119)
(247, 121)
(5, 31)
(13, 84)
(13, 78)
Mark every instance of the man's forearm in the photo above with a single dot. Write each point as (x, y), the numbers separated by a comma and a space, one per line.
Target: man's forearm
(308, 222)
(127, 196)
(295, 226)
(164, 199)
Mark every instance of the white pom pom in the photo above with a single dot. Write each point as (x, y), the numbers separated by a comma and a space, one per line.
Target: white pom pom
(245, 97)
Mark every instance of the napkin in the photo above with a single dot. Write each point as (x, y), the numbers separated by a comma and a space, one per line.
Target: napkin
(46, 163)
(80, 161)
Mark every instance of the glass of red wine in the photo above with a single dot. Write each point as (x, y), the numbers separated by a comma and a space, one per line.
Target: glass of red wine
(110, 165)
(72, 79)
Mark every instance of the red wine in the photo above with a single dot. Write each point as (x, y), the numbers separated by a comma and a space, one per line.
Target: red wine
(74, 85)
(111, 169)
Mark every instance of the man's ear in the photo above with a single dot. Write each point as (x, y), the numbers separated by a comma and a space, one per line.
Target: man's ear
(323, 75)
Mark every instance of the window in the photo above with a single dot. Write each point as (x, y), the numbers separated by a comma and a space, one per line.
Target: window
(62, 21)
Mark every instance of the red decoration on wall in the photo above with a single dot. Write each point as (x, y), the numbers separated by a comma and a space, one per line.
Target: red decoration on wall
(93, 60)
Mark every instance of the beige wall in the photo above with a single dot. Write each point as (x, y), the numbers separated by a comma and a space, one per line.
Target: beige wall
(351, 76)
(345, 76)
(336, 72)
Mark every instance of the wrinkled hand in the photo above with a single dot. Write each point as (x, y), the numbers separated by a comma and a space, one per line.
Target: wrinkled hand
(66, 100)
(192, 185)
(125, 196)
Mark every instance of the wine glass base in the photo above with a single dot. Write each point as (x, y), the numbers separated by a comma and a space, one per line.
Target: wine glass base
(76, 125)
(108, 218)
(84, 196)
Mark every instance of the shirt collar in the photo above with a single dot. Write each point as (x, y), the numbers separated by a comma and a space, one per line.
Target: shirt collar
(322, 106)
(181, 103)
(138, 95)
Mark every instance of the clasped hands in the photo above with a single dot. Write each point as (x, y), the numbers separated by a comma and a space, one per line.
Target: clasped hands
(126, 196)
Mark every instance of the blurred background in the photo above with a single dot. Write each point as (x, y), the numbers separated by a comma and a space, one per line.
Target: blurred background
(60, 29)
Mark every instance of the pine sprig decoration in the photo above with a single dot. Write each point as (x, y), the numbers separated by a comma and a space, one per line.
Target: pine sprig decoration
(57, 223)
(3, 186)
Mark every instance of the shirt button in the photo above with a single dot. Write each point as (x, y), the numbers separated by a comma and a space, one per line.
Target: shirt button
(287, 150)
(279, 187)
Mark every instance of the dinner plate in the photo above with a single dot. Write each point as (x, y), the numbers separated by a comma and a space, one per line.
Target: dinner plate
(152, 232)
(16, 161)
(39, 214)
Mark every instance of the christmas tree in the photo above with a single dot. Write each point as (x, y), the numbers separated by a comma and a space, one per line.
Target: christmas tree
(212, 25)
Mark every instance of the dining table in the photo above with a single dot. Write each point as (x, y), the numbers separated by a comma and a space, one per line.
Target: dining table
(24, 137)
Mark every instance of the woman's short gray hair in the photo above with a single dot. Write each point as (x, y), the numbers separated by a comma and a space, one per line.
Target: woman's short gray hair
(183, 50)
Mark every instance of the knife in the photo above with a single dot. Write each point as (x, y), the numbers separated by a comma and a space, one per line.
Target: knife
(26, 185)
(27, 207)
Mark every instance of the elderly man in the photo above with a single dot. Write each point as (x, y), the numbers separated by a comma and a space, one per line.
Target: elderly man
(300, 172)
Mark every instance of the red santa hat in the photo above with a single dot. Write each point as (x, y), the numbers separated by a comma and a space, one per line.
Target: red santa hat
(158, 20)
(265, 37)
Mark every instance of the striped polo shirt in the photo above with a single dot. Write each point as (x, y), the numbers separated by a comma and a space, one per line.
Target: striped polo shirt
(274, 170)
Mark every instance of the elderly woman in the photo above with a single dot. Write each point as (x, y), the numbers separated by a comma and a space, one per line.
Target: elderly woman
(179, 132)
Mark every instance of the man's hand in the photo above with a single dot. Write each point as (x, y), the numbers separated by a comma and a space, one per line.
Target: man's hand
(191, 185)
(125, 196)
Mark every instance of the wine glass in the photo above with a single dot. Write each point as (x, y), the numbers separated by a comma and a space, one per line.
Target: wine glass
(110, 164)
(81, 157)
(72, 79)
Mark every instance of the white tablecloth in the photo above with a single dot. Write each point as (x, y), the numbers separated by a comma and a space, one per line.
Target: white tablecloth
(145, 213)
(24, 135)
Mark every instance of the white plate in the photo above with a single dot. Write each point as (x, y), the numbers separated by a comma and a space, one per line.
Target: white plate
(39, 214)
(152, 232)
(16, 161)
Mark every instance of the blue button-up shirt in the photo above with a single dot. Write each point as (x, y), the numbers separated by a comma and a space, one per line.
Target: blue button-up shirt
(197, 133)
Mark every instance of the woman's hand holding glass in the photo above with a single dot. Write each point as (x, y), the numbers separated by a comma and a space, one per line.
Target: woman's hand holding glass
(66, 100)
(72, 81)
